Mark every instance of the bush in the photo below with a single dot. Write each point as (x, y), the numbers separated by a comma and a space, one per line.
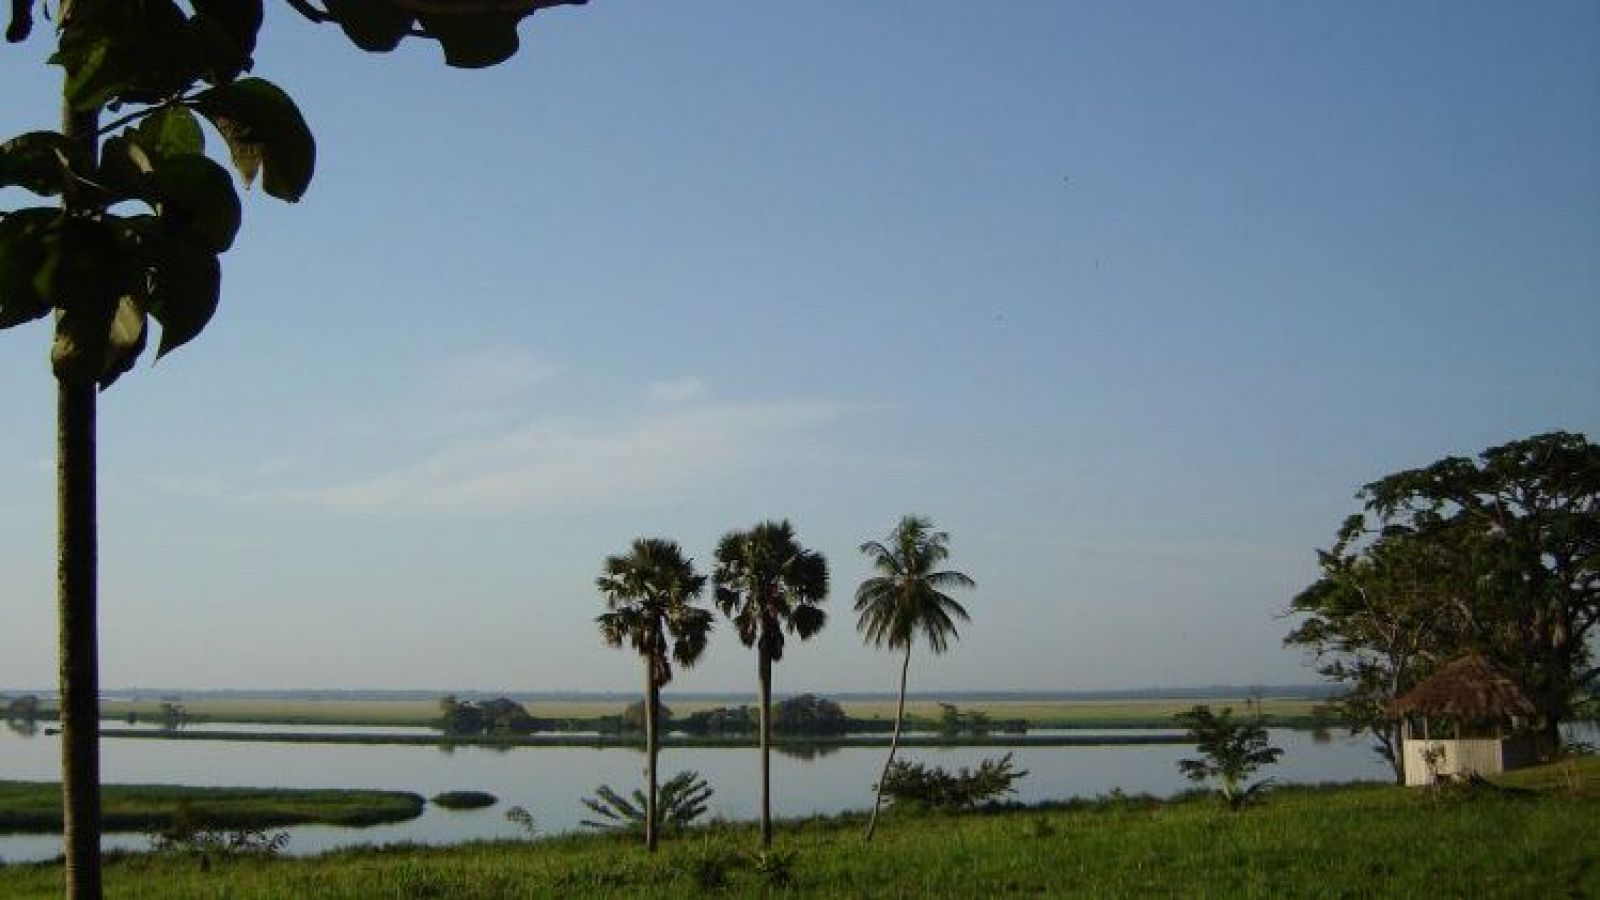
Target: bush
(681, 799)
(1230, 752)
(935, 788)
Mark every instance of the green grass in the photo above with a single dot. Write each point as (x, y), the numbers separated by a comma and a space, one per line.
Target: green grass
(35, 807)
(1358, 841)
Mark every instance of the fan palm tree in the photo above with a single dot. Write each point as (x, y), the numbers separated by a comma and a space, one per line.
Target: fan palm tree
(649, 594)
(766, 583)
(908, 597)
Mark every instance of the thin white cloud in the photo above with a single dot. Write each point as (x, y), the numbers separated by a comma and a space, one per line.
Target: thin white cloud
(566, 464)
(680, 390)
(493, 374)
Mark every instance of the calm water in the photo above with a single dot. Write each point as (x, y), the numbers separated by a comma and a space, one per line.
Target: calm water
(549, 781)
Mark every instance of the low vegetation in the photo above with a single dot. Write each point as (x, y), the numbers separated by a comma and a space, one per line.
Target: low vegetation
(1369, 840)
(464, 800)
(34, 807)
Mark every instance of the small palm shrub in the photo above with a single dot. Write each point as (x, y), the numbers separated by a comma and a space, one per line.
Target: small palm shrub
(682, 799)
(1230, 751)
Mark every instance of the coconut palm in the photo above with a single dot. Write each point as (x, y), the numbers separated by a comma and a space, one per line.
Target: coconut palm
(907, 598)
(649, 597)
(766, 583)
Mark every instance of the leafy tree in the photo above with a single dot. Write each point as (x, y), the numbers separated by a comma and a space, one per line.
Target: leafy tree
(1498, 555)
(682, 800)
(1230, 751)
(649, 596)
(634, 719)
(767, 583)
(719, 720)
(906, 598)
(809, 714)
(1382, 617)
(143, 215)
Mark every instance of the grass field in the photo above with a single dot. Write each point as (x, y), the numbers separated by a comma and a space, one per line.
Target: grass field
(1039, 714)
(1359, 841)
(35, 807)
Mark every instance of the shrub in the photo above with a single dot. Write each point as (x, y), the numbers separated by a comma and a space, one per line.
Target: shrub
(464, 800)
(935, 788)
(1230, 752)
(681, 799)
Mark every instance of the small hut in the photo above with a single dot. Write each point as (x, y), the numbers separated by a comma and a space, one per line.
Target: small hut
(1473, 720)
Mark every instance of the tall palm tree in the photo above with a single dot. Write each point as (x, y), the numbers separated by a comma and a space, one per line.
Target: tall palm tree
(766, 583)
(905, 598)
(649, 596)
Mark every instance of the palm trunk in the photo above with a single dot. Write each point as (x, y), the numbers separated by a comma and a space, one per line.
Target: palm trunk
(652, 746)
(76, 574)
(765, 676)
(894, 744)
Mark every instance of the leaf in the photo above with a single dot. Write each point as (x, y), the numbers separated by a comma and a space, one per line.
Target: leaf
(374, 25)
(184, 288)
(124, 341)
(240, 19)
(21, 21)
(171, 131)
(83, 277)
(23, 249)
(264, 130)
(474, 41)
(195, 192)
(34, 161)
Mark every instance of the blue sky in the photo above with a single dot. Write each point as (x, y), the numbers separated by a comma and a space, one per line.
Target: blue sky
(1130, 298)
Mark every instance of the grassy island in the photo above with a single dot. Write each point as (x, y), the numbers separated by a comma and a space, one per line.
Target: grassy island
(35, 807)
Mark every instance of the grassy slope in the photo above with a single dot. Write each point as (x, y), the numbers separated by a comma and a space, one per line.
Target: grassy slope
(35, 806)
(1347, 842)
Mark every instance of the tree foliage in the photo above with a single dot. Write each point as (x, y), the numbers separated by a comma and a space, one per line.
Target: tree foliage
(913, 784)
(1230, 751)
(682, 799)
(1498, 555)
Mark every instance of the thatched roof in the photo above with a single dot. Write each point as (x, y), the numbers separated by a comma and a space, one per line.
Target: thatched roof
(1471, 688)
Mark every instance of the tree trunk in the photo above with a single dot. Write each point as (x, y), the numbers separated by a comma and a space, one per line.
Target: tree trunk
(652, 746)
(76, 573)
(894, 744)
(80, 681)
(764, 663)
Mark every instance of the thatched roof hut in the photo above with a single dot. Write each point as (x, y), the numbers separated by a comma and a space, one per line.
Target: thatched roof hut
(1470, 689)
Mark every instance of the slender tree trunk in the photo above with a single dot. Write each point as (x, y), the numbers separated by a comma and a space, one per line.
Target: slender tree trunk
(894, 744)
(764, 674)
(76, 575)
(652, 746)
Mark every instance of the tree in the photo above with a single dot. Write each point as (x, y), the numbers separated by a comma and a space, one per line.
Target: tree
(1384, 615)
(1499, 555)
(808, 714)
(649, 595)
(633, 716)
(1230, 751)
(907, 597)
(104, 271)
(767, 583)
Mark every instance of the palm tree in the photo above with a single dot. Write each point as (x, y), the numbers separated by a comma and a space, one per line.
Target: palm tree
(649, 597)
(766, 582)
(908, 597)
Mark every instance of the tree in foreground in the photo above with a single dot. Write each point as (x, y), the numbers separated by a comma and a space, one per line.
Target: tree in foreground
(1498, 555)
(906, 598)
(1230, 751)
(143, 215)
(767, 583)
(649, 595)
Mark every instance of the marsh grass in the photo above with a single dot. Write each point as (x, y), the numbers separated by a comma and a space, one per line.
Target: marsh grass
(1352, 841)
(35, 807)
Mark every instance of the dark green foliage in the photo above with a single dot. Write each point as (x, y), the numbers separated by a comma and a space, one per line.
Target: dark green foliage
(632, 718)
(35, 807)
(489, 717)
(464, 800)
(932, 787)
(776, 867)
(190, 834)
(682, 799)
(954, 723)
(1498, 555)
(721, 720)
(472, 33)
(1231, 751)
(808, 714)
(520, 817)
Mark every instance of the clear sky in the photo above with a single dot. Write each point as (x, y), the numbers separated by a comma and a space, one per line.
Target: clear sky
(1130, 298)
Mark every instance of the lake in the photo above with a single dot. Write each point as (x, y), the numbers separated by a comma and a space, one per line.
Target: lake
(549, 781)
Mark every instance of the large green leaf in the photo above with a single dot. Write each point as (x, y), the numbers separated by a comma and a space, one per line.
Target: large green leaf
(265, 132)
(185, 283)
(171, 131)
(239, 19)
(125, 340)
(84, 276)
(196, 193)
(36, 161)
(135, 52)
(374, 25)
(475, 41)
(24, 246)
